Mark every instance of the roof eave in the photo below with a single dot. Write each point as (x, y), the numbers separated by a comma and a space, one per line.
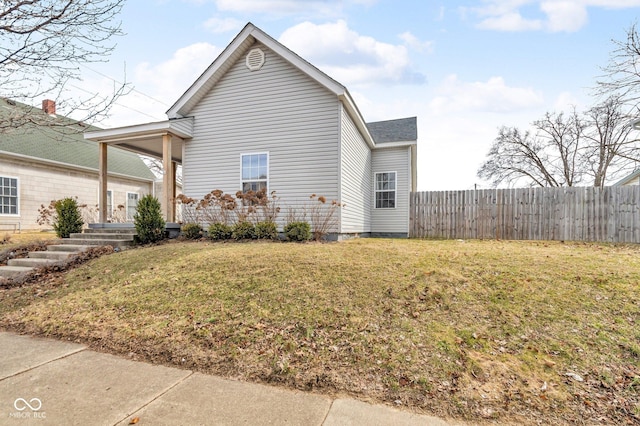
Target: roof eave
(395, 144)
(354, 113)
(71, 166)
(141, 130)
(628, 178)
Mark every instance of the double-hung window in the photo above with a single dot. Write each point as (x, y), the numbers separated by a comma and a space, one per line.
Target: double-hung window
(254, 171)
(109, 204)
(9, 195)
(385, 190)
(132, 204)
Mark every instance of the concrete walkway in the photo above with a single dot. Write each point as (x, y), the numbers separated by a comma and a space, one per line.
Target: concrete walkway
(44, 381)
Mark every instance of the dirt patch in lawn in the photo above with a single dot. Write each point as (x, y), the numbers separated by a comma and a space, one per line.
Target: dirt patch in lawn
(513, 332)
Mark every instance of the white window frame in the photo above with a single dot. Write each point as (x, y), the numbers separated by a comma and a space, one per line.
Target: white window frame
(17, 197)
(137, 194)
(266, 180)
(109, 203)
(394, 190)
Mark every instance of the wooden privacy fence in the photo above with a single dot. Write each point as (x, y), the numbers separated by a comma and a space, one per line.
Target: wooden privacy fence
(572, 214)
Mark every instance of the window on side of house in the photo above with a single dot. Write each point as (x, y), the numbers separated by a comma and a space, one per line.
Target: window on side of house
(385, 190)
(132, 203)
(109, 204)
(254, 170)
(9, 195)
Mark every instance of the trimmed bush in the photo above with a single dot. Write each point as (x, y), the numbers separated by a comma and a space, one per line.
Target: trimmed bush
(298, 231)
(266, 230)
(243, 231)
(148, 220)
(191, 231)
(219, 231)
(68, 219)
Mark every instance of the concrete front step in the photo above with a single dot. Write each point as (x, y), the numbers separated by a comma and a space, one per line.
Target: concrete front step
(37, 259)
(14, 271)
(69, 248)
(30, 262)
(130, 230)
(96, 242)
(51, 255)
(104, 236)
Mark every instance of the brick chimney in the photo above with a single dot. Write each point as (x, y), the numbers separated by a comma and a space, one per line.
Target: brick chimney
(49, 106)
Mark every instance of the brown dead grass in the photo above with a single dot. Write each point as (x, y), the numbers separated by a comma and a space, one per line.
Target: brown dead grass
(520, 332)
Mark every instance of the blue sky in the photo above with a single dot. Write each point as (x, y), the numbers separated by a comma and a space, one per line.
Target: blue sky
(464, 68)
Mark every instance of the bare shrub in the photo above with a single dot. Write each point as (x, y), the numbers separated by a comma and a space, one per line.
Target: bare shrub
(216, 207)
(189, 208)
(323, 216)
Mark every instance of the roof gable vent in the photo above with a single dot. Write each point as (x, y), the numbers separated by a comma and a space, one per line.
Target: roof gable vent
(255, 59)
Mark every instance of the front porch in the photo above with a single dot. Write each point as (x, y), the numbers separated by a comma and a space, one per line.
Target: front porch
(162, 140)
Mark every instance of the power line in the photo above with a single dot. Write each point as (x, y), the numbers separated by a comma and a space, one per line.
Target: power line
(117, 103)
(133, 89)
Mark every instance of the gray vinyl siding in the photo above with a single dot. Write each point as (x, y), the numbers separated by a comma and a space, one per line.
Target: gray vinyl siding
(277, 110)
(355, 184)
(392, 160)
(184, 125)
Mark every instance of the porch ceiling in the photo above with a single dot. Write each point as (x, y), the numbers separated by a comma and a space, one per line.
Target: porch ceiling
(146, 139)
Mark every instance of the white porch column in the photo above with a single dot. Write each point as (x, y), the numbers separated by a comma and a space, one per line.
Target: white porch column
(168, 179)
(102, 183)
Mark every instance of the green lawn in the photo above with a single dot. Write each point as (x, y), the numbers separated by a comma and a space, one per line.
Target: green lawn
(513, 331)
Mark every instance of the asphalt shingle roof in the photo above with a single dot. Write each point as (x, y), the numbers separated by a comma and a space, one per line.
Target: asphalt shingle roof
(401, 130)
(63, 142)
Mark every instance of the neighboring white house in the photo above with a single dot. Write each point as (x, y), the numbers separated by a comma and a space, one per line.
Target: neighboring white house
(261, 116)
(41, 163)
(630, 179)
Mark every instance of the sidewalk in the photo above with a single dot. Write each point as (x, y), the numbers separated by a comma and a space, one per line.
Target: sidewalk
(44, 381)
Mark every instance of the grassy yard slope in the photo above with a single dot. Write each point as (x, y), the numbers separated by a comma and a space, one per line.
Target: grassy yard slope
(513, 331)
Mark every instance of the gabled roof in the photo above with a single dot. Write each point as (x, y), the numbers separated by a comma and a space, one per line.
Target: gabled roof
(235, 50)
(59, 140)
(400, 130)
(625, 180)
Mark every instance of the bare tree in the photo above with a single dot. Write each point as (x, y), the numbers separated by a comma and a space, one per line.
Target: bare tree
(566, 150)
(42, 44)
(157, 168)
(611, 146)
(622, 73)
(547, 158)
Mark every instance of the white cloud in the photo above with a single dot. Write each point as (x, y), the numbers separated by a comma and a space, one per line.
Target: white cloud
(567, 16)
(171, 78)
(313, 8)
(511, 21)
(555, 15)
(566, 101)
(493, 95)
(222, 25)
(349, 57)
(157, 86)
(412, 41)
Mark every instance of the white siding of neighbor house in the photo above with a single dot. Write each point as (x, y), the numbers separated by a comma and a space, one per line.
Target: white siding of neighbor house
(39, 184)
(634, 181)
(392, 160)
(276, 110)
(356, 184)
